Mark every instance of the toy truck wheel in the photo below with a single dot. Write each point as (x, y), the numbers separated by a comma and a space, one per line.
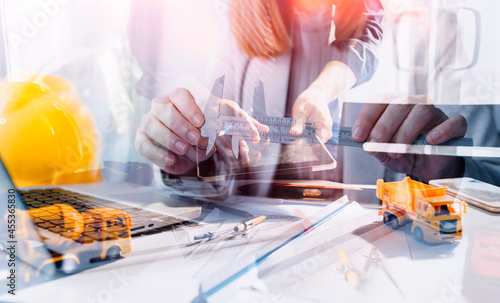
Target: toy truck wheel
(419, 234)
(391, 220)
(69, 266)
(46, 269)
(113, 253)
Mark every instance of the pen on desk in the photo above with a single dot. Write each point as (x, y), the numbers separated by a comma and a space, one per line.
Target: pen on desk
(204, 202)
(249, 224)
(350, 274)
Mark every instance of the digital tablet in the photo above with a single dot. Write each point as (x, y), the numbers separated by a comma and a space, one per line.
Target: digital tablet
(474, 192)
(264, 161)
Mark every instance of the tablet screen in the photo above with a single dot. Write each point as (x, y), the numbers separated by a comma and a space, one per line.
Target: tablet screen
(264, 159)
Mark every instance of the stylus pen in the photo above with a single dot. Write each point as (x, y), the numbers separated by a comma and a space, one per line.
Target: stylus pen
(210, 203)
(350, 273)
(242, 199)
(273, 201)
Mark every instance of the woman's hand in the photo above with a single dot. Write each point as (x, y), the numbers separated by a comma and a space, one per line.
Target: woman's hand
(312, 104)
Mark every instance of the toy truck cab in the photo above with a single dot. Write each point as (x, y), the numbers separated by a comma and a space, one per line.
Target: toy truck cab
(435, 216)
(110, 229)
(438, 219)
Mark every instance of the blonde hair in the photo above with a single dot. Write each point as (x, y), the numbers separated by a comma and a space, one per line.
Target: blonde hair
(260, 29)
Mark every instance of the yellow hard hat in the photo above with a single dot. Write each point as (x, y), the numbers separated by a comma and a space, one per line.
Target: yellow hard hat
(47, 136)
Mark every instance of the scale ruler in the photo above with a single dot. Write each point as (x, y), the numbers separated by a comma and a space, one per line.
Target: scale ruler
(350, 236)
(320, 247)
(343, 136)
(279, 132)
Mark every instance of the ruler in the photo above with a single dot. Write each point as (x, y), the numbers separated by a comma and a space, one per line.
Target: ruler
(279, 132)
(224, 280)
(343, 136)
(436, 150)
(239, 127)
(279, 129)
(320, 248)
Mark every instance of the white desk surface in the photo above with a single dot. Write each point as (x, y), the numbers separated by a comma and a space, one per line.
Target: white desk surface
(423, 272)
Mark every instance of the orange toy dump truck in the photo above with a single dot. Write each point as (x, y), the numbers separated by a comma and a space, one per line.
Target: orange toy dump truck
(79, 239)
(436, 217)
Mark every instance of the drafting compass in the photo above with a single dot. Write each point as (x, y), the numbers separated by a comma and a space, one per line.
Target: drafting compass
(375, 259)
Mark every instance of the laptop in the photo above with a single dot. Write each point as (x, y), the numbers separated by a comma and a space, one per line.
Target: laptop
(53, 230)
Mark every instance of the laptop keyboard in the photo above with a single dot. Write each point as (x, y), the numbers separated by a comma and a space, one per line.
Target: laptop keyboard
(142, 220)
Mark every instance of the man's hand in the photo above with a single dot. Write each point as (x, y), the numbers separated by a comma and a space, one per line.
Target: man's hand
(170, 131)
(402, 121)
(227, 108)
